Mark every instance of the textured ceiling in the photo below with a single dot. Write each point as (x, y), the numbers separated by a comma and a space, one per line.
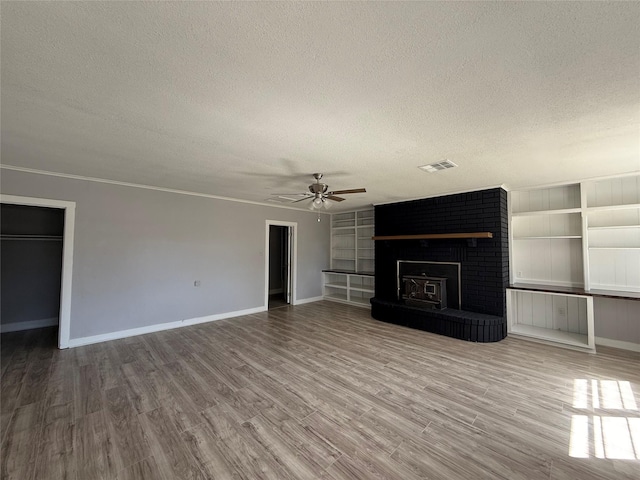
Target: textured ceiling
(246, 99)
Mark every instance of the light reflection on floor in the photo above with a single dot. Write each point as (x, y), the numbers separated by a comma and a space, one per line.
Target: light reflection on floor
(604, 435)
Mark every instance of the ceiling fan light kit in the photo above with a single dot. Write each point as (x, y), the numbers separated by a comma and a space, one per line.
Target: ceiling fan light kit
(322, 198)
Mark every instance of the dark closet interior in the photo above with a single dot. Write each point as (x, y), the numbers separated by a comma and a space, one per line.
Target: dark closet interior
(278, 266)
(31, 266)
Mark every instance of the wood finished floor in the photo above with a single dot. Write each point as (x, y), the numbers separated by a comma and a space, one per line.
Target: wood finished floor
(318, 391)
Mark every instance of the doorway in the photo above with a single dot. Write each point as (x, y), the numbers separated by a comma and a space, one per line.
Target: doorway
(280, 264)
(31, 260)
(56, 233)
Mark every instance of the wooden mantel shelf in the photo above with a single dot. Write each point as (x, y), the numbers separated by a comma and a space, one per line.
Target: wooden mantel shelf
(428, 236)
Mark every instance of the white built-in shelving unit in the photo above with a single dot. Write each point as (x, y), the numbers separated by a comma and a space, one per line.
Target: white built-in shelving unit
(351, 288)
(567, 242)
(546, 234)
(352, 247)
(557, 317)
(350, 278)
(364, 241)
(612, 223)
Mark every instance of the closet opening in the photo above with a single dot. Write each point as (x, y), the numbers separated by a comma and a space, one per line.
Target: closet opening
(280, 264)
(31, 259)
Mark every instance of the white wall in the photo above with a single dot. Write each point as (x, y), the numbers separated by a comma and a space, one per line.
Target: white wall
(137, 252)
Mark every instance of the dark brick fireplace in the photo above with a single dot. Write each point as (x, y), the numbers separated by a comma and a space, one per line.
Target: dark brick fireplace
(483, 263)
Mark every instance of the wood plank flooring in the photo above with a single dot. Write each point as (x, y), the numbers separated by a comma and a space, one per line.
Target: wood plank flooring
(318, 391)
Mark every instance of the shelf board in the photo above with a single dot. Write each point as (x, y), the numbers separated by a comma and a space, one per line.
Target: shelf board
(607, 291)
(336, 285)
(362, 289)
(537, 237)
(546, 283)
(435, 236)
(352, 227)
(614, 248)
(557, 336)
(355, 303)
(547, 289)
(338, 297)
(546, 212)
(612, 207)
(614, 227)
(349, 272)
(615, 291)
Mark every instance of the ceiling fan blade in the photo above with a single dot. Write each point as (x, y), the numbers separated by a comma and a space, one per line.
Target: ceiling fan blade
(302, 199)
(334, 198)
(351, 190)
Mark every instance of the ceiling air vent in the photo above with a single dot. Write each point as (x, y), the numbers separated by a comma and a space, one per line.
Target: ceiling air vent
(435, 167)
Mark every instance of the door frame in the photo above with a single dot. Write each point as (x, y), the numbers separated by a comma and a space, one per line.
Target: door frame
(64, 322)
(293, 267)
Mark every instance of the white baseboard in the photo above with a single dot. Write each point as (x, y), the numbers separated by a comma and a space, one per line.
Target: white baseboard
(302, 301)
(222, 316)
(132, 332)
(607, 342)
(29, 325)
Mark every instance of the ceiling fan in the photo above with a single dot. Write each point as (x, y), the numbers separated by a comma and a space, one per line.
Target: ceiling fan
(320, 194)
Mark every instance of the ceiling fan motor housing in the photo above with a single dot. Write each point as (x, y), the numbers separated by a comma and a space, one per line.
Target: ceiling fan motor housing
(318, 188)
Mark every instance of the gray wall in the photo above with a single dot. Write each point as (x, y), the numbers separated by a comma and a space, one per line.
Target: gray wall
(137, 252)
(617, 319)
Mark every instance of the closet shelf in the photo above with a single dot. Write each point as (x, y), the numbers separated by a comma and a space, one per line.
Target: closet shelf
(54, 238)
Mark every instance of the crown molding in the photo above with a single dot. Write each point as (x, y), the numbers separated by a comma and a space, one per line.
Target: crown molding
(152, 187)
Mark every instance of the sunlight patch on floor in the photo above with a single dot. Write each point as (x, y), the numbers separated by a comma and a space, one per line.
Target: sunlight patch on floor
(604, 436)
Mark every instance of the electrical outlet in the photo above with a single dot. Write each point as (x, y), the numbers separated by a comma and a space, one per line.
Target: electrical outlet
(196, 283)
(519, 274)
(562, 311)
